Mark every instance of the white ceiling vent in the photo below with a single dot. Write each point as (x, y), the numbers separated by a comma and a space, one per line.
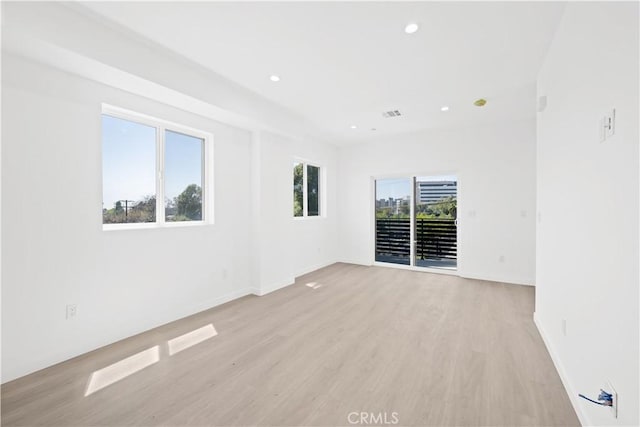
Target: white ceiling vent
(392, 113)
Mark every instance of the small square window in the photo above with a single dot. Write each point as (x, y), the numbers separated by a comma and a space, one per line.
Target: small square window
(306, 190)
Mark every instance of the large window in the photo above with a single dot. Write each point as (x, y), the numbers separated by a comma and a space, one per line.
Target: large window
(153, 172)
(306, 190)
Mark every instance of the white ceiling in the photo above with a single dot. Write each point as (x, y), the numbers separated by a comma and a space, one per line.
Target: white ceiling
(343, 64)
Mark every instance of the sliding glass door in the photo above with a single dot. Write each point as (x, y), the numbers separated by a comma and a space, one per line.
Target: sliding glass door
(393, 220)
(416, 221)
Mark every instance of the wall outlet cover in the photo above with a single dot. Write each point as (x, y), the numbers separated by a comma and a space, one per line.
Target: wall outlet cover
(72, 310)
(609, 389)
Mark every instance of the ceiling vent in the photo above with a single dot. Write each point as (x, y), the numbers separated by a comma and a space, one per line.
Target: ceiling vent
(392, 113)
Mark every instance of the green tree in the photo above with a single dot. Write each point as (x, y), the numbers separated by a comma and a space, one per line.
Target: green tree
(298, 180)
(444, 208)
(189, 204)
(143, 211)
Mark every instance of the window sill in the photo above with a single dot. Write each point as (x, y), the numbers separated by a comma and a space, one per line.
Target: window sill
(153, 225)
(309, 218)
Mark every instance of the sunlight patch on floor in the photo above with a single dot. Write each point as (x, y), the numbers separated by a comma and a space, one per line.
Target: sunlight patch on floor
(190, 339)
(113, 373)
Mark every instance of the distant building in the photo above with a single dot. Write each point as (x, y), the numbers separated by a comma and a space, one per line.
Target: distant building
(386, 203)
(434, 191)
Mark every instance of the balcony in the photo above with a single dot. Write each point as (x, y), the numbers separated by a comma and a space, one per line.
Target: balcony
(435, 242)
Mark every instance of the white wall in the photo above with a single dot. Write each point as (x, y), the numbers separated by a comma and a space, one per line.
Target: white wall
(495, 165)
(126, 282)
(123, 282)
(59, 65)
(587, 237)
(289, 247)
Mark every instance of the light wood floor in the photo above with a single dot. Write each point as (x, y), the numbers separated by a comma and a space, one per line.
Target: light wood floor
(437, 350)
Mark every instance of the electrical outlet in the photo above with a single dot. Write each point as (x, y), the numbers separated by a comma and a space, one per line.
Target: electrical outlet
(72, 310)
(608, 125)
(564, 327)
(614, 394)
(501, 258)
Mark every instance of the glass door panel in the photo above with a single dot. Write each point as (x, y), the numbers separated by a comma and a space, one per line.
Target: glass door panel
(393, 220)
(435, 242)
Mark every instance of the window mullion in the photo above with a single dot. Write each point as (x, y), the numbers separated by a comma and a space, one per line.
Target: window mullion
(160, 212)
(204, 184)
(305, 200)
(320, 190)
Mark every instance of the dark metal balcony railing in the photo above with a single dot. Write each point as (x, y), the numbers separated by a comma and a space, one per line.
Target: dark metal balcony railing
(435, 238)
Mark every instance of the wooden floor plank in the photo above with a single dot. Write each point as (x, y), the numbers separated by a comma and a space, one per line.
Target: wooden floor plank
(436, 350)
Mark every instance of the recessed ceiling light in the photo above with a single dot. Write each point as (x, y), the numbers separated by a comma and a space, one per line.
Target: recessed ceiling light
(274, 78)
(354, 127)
(411, 28)
(444, 108)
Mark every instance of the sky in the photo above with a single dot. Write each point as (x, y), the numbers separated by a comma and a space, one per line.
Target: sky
(396, 188)
(129, 164)
(399, 188)
(129, 161)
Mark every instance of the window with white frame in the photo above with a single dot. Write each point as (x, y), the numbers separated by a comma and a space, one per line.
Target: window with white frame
(153, 172)
(306, 189)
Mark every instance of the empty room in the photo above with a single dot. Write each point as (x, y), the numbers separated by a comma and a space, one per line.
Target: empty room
(320, 213)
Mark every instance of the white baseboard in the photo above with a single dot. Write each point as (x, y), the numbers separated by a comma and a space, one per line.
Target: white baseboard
(314, 268)
(207, 304)
(366, 263)
(273, 287)
(509, 280)
(279, 284)
(144, 326)
(571, 391)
